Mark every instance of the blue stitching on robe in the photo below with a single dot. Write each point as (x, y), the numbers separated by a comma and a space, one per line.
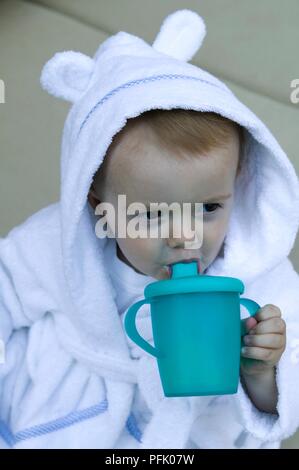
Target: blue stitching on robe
(60, 423)
(133, 428)
(137, 82)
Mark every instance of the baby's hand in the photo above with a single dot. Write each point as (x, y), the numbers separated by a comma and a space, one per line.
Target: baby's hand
(266, 341)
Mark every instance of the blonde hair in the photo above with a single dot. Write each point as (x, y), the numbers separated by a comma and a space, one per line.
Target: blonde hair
(191, 132)
(188, 132)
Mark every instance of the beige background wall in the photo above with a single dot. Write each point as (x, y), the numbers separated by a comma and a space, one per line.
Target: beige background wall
(252, 46)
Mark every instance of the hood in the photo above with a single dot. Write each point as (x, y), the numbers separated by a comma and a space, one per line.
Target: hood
(124, 78)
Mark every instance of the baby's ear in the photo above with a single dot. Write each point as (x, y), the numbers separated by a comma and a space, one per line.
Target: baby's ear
(67, 75)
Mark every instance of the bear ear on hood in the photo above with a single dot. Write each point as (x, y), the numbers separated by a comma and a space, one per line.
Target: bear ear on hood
(181, 35)
(67, 74)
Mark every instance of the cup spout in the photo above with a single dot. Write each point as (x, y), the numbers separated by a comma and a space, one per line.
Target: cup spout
(184, 269)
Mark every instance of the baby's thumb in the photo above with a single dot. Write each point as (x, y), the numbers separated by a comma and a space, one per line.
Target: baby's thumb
(247, 324)
(250, 323)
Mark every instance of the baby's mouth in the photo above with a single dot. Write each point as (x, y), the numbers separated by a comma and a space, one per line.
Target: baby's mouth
(168, 267)
(166, 273)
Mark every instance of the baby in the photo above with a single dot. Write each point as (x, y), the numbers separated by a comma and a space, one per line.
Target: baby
(202, 154)
(147, 124)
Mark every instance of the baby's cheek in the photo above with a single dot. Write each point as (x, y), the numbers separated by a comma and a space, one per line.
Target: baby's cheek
(213, 234)
(135, 247)
(144, 251)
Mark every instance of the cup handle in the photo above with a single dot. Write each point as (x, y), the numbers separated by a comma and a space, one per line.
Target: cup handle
(252, 308)
(131, 330)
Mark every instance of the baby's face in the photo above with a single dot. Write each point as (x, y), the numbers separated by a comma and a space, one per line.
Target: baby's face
(141, 169)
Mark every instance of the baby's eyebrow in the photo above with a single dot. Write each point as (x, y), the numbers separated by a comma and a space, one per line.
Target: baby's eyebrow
(218, 198)
(211, 199)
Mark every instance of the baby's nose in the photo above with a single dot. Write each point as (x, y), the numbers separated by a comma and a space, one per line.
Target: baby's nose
(186, 242)
(182, 230)
(186, 237)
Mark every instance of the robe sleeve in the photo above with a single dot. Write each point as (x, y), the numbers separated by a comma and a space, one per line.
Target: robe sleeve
(267, 426)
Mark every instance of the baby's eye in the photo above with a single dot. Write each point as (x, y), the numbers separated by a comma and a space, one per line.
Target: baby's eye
(212, 207)
(150, 215)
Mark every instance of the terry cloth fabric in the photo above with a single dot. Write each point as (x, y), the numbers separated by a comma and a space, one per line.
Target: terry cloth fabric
(69, 377)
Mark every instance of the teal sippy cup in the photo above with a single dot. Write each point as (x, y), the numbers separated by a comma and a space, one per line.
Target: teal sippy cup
(197, 330)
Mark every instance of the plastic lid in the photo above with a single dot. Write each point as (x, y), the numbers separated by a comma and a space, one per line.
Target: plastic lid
(186, 278)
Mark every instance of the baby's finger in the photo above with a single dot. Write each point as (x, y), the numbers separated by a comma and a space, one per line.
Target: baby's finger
(268, 311)
(271, 341)
(261, 354)
(250, 323)
(272, 325)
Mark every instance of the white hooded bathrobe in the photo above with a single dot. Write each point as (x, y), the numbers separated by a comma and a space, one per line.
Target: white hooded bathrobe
(67, 378)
